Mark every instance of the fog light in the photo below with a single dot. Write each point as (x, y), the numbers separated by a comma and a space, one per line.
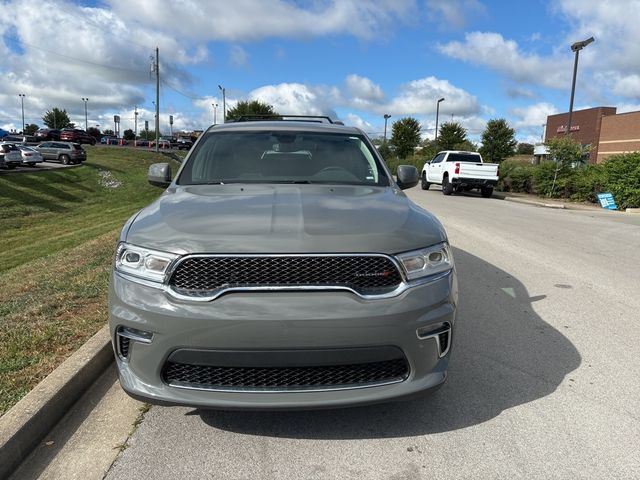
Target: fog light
(440, 333)
(125, 336)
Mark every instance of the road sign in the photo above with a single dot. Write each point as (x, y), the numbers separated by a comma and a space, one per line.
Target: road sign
(607, 201)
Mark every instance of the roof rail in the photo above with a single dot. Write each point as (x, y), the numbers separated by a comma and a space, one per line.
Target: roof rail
(297, 118)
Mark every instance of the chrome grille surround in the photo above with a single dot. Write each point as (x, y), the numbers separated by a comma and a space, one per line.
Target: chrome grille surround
(206, 277)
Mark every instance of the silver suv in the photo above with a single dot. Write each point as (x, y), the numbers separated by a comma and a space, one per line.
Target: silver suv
(283, 267)
(10, 156)
(66, 152)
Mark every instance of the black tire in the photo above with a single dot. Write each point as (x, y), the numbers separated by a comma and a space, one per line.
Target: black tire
(486, 192)
(447, 187)
(65, 159)
(423, 182)
(11, 166)
(32, 165)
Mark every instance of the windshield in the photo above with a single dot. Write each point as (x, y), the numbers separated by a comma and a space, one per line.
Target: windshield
(282, 157)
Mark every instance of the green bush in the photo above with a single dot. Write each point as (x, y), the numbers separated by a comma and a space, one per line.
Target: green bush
(516, 176)
(622, 178)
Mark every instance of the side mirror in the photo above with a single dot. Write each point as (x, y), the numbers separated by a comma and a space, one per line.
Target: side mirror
(407, 176)
(159, 175)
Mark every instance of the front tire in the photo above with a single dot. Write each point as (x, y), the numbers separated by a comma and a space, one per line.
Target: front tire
(423, 182)
(486, 192)
(447, 187)
(65, 159)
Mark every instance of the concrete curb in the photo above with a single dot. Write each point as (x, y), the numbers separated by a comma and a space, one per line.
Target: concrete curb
(633, 210)
(23, 427)
(537, 204)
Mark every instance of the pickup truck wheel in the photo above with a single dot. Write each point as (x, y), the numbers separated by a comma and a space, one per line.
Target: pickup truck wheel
(486, 192)
(423, 182)
(447, 187)
(65, 159)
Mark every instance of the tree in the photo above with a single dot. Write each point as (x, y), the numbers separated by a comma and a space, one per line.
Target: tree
(128, 134)
(405, 136)
(30, 129)
(107, 131)
(498, 141)
(94, 132)
(524, 149)
(56, 118)
(253, 107)
(567, 152)
(452, 136)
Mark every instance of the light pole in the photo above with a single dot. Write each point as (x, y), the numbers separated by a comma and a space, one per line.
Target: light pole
(86, 125)
(435, 139)
(135, 132)
(224, 103)
(215, 111)
(576, 47)
(386, 117)
(22, 95)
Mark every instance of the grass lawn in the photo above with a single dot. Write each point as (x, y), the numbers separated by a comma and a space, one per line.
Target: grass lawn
(58, 231)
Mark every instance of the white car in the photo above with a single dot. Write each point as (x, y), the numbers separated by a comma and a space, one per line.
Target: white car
(30, 156)
(460, 171)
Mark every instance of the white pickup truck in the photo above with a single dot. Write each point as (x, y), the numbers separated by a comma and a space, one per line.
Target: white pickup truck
(460, 171)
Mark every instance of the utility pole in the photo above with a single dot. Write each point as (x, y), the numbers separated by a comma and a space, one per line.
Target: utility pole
(435, 138)
(224, 103)
(157, 69)
(386, 117)
(576, 47)
(86, 124)
(135, 126)
(22, 95)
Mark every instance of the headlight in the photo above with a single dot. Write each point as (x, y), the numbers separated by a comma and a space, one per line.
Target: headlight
(143, 262)
(427, 261)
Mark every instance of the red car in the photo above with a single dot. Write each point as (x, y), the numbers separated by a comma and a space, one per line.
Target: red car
(77, 136)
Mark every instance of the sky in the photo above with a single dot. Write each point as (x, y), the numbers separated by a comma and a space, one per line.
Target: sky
(354, 60)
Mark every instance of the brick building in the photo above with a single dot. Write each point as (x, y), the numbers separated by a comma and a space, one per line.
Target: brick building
(619, 134)
(585, 127)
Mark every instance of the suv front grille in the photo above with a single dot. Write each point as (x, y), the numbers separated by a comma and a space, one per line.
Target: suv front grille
(365, 274)
(327, 377)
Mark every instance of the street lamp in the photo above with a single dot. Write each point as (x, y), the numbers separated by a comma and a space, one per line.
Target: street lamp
(435, 139)
(576, 47)
(86, 124)
(224, 103)
(215, 111)
(22, 95)
(386, 117)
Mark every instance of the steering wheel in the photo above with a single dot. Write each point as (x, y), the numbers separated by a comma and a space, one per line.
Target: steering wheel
(332, 168)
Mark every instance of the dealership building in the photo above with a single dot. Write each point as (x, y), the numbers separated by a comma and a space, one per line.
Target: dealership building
(604, 130)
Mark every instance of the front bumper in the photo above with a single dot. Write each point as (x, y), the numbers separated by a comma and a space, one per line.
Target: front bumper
(277, 322)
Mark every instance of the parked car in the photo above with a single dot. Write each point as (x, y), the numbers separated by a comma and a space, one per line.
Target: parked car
(460, 171)
(283, 267)
(184, 143)
(76, 135)
(30, 156)
(66, 152)
(9, 155)
(142, 143)
(47, 134)
(113, 140)
(162, 143)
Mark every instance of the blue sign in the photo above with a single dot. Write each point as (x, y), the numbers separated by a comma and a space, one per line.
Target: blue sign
(607, 201)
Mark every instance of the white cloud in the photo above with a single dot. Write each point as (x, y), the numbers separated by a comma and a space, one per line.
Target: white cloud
(298, 99)
(533, 116)
(238, 56)
(359, 122)
(454, 14)
(362, 90)
(256, 19)
(420, 97)
(504, 56)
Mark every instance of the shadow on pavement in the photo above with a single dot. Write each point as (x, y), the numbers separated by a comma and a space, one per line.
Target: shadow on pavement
(504, 355)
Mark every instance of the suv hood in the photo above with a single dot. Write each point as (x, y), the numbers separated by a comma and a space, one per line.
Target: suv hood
(283, 219)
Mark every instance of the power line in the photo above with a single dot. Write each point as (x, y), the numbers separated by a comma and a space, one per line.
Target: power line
(171, 87)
